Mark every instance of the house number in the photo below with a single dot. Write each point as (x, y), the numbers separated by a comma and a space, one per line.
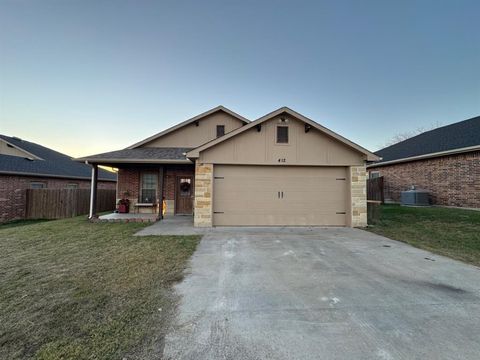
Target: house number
(282, 160)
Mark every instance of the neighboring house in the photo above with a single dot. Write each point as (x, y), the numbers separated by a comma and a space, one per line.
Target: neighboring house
(445, 161)
(282, 169)
(26, 165)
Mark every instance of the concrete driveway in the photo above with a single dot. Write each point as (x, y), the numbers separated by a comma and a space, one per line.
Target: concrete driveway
(331, 293)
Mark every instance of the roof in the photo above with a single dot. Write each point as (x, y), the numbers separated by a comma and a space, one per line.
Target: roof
(189, 121)
(45, 162)
(458, 137)
(283, 110)
(147, 155)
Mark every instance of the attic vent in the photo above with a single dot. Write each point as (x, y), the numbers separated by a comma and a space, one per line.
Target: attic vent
(17, 138)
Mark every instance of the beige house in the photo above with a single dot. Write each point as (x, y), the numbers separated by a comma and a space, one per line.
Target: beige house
(282, 169)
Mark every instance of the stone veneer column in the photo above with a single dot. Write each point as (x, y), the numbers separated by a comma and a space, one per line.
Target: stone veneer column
(203, 195)
(358, 192)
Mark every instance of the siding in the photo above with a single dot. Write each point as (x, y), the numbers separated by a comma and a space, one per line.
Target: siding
(254, 147)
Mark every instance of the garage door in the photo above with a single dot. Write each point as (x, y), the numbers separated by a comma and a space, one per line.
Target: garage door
(279, 195)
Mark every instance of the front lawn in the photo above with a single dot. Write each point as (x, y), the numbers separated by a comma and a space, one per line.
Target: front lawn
(450, 232)
(70, 289)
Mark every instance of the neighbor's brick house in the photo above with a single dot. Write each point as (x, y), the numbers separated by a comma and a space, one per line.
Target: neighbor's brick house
(25, 165)
(445, 161)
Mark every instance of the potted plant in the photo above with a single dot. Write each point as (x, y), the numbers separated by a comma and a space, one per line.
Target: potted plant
(124, 204)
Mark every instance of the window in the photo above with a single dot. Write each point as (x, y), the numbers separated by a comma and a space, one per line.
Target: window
(37, 185)
(282, 134)
(148, 191)
(374, 174)
(72, 186)
(220, 130)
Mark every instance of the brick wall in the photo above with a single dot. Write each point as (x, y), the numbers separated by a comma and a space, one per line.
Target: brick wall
(453, 180)
(13, 194)
(129, 181)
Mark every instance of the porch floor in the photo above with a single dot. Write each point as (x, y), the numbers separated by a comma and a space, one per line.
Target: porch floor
(128, 217)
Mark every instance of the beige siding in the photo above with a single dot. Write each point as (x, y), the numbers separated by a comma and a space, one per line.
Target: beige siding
(191, 136)
(272, 195)
(7, 150)
(260, 148)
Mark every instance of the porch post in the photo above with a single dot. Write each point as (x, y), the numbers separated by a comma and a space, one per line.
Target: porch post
(93, 192)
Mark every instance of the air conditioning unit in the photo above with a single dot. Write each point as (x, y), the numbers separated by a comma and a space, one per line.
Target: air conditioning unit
(415, 197)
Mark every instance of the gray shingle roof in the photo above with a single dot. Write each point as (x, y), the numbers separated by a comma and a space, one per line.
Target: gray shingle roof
(158, 154)
(455, 136)
(53, 163)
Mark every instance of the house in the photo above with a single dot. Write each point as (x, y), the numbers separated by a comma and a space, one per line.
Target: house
(26, 165)
(445, 161)
(282, 169)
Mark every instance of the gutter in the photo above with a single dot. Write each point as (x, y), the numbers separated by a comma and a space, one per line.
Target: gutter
(426, 156)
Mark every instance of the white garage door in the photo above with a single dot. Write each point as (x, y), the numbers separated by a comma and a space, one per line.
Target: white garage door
(279, 195)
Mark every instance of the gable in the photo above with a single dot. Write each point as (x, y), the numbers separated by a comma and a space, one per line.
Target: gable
(7, 148)
(255, 147)
(221, 113)
(196, 133)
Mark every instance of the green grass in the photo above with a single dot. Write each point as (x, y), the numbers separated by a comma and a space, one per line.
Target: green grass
(445, 231)
(16, 223)
(70, 289)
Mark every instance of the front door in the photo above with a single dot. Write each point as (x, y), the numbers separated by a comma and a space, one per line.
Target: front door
(184, 195)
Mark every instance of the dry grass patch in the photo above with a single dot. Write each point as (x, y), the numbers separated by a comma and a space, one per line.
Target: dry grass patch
(70, 289)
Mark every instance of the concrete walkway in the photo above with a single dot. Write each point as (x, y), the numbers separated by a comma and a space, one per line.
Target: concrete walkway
(183, 225)
(331, 293)
(172, 225)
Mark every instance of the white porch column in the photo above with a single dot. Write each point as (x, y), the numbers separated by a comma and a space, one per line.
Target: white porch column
(93, 192)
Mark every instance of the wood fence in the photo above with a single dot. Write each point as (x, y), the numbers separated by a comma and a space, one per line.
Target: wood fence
(64, 203)
(375, 189)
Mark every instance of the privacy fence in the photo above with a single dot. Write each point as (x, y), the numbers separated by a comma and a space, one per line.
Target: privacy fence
(64, 203)
(375, 197)
(375, 189)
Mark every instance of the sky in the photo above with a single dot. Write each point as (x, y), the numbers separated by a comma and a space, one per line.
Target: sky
(85, 77)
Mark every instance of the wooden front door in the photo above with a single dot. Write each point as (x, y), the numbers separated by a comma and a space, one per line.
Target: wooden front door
(184, 195)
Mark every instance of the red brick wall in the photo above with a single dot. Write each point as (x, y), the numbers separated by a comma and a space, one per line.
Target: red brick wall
(13, 194)
(453, 180)
(129, 180)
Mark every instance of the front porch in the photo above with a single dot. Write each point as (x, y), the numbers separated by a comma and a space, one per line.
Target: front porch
(148, 191)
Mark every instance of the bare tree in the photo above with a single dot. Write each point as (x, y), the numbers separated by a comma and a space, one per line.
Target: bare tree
(409, 134)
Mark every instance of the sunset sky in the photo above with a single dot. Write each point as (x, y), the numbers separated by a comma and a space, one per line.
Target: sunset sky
(84, 77)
